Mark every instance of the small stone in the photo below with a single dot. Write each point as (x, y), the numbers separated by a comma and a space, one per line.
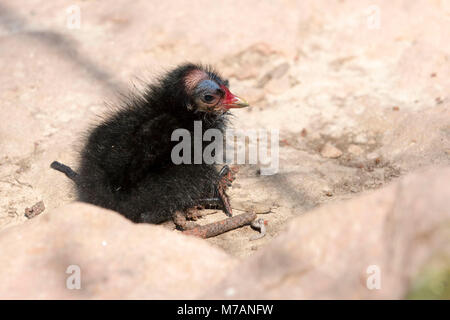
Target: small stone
(330, 151)
(275, 73)
(304, 132)
(372, 156)
(35, 210)
(327, 191)
(361, 138)
(254, 95)
(261, 208)
(278, 86)
(229, 292)
(353, 189)
(280, 70)
(355, 150)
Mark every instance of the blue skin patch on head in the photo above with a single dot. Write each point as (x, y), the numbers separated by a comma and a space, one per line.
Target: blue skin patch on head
(207, 86)
(208, 95)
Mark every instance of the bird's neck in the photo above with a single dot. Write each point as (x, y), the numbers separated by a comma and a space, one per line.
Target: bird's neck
(211, 121)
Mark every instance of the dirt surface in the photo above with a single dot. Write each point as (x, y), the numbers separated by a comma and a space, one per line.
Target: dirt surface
(357, 89)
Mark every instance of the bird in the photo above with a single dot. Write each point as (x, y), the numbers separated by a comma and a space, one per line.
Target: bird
(126, 166)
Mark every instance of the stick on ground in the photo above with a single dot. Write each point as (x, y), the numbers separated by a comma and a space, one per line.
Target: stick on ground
(219, 227)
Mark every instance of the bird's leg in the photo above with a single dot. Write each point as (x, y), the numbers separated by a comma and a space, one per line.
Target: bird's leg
(226, 177)
(195, 212)
(225, 200)
(221, 200)
(181, 219)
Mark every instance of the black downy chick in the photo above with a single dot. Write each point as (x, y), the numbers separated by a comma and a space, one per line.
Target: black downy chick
(126, 162)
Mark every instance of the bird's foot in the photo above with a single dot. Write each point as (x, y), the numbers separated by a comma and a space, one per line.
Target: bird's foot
(195, 213)
(180, 220)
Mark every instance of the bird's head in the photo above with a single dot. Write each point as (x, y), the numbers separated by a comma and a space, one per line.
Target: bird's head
(206, 91)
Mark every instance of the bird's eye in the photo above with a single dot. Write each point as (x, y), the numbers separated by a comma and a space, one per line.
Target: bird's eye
(208, 98)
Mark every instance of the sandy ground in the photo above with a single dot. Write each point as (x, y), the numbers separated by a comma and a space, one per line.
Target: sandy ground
(357, 89)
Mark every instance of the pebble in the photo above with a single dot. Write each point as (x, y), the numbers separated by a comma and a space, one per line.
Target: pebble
(330, 151)
(354, 149)
(275, 73)
(372, 156)
(361, 138)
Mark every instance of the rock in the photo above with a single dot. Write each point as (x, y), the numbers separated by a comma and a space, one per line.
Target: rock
(330, 151)
(247, 64)
(304, 132)
(373, 156)
(278, 86)
(335, 251)
(361, 138)
(355, 150)
(276, 73)
(17, 138)
(35, 210)
(254, 95)
(418, 138)
(258, 208)
(117, 258)
(326, 190)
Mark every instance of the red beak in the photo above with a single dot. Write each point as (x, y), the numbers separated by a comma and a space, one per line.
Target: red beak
(232, 101)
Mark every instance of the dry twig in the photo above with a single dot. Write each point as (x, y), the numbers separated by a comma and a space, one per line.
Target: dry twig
(219, 227)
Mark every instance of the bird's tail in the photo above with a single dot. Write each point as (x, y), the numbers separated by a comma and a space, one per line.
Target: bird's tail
(64, 169)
